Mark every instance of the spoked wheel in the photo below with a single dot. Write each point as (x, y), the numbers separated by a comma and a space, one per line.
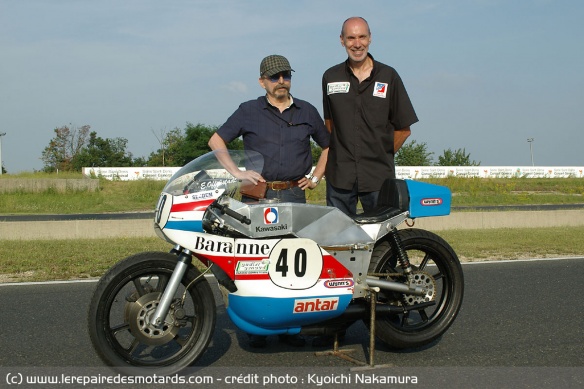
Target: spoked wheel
(437, 268)
(126, 298)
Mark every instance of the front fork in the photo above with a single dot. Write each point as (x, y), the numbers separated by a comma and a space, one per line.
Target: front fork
(185, 259)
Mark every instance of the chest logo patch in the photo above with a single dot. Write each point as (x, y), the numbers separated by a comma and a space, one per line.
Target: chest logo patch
(380, 89)
(337, 87)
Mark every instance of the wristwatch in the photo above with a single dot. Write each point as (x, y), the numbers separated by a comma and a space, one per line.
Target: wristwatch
(314, 179)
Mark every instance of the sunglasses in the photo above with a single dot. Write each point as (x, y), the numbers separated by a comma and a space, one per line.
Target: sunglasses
(287, 76)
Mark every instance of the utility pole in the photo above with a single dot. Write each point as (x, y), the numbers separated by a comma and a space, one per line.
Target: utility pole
(530, 141)
(1, 135)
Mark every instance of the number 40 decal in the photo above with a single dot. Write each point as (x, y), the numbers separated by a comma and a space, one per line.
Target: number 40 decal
(299, 263)
(295, 263)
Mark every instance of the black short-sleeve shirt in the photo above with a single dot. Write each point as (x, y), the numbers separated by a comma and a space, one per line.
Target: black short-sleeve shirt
(365, 116)
(283, 138)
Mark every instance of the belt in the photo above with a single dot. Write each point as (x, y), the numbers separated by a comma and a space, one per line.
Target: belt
(281, 185)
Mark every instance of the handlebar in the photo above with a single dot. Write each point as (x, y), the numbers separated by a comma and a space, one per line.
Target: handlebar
(224, 209)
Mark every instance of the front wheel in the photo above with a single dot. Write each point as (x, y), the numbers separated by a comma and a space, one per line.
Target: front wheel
(127, 296)
(436, 264)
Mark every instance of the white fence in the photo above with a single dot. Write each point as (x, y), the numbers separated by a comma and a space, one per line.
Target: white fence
(402, 172)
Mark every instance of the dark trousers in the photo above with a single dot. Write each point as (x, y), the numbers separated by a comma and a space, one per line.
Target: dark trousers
(346, 200)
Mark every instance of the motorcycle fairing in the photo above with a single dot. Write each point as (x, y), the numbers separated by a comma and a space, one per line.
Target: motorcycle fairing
(281, 283)
(428, 199)
(183, 212)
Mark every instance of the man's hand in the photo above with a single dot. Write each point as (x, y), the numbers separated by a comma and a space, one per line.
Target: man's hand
(249, 175)
(306, 183)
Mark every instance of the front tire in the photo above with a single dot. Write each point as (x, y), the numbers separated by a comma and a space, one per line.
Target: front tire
(432, 259)
(125, 298)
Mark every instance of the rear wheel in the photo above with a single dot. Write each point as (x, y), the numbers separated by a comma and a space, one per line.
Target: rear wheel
(126, 298)
(436, 266)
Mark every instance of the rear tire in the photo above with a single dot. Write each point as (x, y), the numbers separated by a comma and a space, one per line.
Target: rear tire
(125, 298)
(432, 258)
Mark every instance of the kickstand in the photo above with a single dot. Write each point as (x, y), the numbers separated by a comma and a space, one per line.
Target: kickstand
(343, 353)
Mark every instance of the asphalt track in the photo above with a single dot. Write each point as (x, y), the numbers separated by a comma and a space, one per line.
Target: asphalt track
(520, 326)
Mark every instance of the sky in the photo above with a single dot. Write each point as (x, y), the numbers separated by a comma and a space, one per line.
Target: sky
(483, 75)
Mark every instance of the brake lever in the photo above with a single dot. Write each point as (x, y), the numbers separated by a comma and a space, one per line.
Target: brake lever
(224, 209)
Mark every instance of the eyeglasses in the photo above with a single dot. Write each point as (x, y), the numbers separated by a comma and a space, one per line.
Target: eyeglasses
(287, 76)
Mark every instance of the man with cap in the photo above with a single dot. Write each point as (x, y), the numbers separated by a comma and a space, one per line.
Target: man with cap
(279, 127)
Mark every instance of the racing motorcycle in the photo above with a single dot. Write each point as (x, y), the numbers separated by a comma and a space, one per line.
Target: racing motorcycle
(282, 268)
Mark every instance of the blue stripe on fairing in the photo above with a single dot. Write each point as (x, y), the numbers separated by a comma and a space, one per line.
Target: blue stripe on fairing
(271, 316)
(191, 225)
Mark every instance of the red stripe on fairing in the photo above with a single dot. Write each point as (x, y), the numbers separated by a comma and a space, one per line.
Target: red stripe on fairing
(192, 206)
(226, 263)
(331, 268)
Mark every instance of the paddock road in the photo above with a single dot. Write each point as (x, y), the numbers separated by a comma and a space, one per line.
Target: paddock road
(520, 326)
(140, 224)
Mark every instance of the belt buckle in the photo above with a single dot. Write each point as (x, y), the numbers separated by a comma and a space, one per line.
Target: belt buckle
(279, 185)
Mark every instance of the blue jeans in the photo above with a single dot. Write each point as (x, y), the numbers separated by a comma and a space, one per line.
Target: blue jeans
(346, 200)
(292, 195)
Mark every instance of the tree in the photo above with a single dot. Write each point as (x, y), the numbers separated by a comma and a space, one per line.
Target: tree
(413, 154)
(196, 138)
(456, 158)
(171, 144)
(196, 143)
(103, 152)
(316, 152)
(177, 149)
(65, 146)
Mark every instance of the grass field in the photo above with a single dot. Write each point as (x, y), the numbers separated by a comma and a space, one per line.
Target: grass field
(70, 259)
(128, 196)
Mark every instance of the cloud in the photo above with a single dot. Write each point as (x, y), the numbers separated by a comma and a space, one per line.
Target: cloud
(236, 86)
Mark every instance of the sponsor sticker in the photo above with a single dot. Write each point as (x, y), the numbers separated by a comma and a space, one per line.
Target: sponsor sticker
(338, 283)
(337, 87)
(203, 195)
(380, 89)
(430, 202)
(316, 305)
(252, 267)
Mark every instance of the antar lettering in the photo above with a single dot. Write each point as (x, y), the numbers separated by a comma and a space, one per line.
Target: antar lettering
(316, 305)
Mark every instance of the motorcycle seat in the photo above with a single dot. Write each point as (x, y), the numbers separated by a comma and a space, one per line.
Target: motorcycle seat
(393, 199)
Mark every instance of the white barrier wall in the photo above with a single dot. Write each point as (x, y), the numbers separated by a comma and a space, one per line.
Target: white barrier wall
(131, 173)
(417, 172)
(402, 172)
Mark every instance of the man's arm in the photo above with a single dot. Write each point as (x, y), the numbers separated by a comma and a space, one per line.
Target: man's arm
(216, 143)
(328, 123)
(318, 172)
(399, 138)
